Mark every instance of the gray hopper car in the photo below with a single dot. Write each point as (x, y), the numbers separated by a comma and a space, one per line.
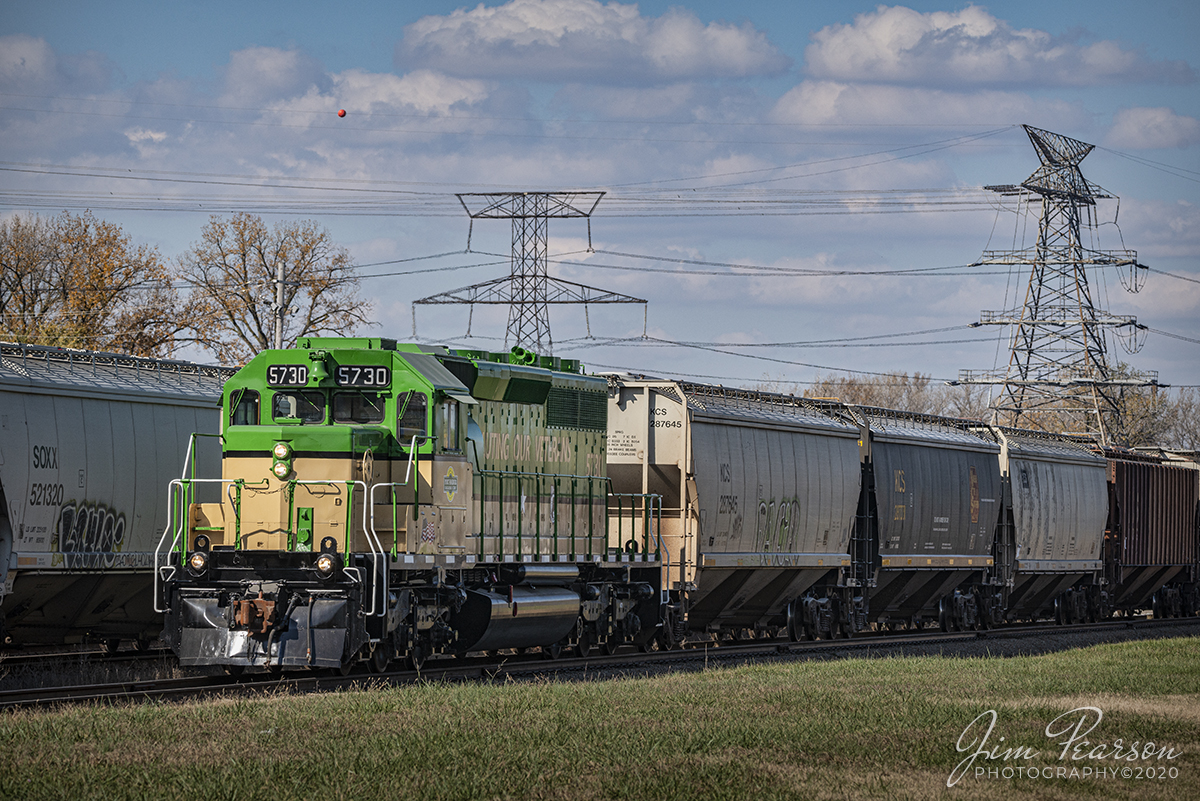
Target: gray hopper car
(759, 501)
(87, 444)
(1051, 537)
(937, 500)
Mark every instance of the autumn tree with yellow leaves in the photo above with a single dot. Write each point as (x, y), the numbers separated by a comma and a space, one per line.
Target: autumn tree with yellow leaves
(232, 273)
(77, 282)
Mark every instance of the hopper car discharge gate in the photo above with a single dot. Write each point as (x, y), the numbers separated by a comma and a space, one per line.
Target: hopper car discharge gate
(544, 582)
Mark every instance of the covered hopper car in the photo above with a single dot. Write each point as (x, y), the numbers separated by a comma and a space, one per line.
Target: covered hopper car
(85, 442)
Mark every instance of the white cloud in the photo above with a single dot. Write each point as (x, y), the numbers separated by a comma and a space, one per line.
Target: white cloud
(425, 91)
(28, 63)
(145, 140)
(973, 47)
(557, 40)
(834, 103)
(1150, 128)
(259, 74)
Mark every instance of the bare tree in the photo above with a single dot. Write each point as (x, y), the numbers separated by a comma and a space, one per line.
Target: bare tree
(1183, 430)
(233, 272)
(75, 281)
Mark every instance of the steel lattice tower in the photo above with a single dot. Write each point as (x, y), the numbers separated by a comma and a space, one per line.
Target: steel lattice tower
(1058, 377)
(529, 290)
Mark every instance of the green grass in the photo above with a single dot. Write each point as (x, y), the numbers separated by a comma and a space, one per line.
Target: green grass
(874, 728)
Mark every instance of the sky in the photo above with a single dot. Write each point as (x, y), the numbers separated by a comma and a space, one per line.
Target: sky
(797, 189)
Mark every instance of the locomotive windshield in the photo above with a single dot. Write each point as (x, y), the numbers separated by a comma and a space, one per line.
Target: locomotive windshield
(358, 407)
(304, 407)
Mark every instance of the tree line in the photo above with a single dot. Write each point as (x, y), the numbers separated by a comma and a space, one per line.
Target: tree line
(1150, 416)
(75, 281)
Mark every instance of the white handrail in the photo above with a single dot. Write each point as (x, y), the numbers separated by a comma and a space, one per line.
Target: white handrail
(176, 486)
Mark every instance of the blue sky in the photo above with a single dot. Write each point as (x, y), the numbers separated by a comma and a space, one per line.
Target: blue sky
(865, 132)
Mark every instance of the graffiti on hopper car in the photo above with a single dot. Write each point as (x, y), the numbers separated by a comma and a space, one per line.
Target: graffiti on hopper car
(89, 534)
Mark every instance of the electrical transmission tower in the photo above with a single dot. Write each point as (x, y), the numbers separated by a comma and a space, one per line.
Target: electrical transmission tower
(528, 290)
(1058, 377)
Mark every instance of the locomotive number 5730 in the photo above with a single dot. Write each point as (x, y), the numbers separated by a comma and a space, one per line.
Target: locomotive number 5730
(353, 375)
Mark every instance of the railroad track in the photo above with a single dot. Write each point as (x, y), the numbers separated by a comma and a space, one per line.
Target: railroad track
(526, 666)
(75, 654)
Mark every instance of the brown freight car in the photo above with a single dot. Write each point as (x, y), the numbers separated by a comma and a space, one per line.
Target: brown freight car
(1152, 539)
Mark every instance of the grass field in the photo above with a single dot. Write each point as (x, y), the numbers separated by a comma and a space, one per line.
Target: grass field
(862, 728)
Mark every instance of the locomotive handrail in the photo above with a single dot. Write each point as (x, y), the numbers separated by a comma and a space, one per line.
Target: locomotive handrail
(176, 521)
(372, 541)
(187, 457)
(500, 475)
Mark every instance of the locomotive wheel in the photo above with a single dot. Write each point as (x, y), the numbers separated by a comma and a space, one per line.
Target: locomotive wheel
(380, 658)
(584, 646)
(417, 655)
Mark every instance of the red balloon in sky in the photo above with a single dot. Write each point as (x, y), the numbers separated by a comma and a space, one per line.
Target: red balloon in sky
(342, 112)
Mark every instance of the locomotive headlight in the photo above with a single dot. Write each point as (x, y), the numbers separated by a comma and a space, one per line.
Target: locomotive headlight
(281, 450)
(281, 469)
(325, 564)
(198, 562)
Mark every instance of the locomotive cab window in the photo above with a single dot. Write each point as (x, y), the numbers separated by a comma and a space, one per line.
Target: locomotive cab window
(245, 408)
(302, 407)
(358, 407)
(411, 406)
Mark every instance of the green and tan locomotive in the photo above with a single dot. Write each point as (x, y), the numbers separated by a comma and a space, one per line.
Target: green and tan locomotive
(382, 500)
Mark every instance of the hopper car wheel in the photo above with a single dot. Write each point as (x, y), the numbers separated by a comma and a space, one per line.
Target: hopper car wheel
(611, 645)
(552, 651)
(345, 668)
(651, 645)
(142, 644)
(793, 624)
(583, 646)
(110, 646)
(943, 615)
(666, 632)
(380, 658)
